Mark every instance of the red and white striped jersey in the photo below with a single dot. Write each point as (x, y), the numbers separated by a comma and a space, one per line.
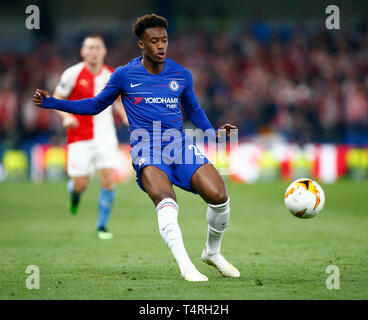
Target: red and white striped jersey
(78, 83)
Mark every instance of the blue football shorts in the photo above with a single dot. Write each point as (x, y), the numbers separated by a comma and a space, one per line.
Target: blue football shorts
(178, 166)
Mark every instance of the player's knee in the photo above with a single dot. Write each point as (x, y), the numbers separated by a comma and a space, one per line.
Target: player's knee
(107, 179)
(165, 194)
(218, 195)
(158, 195)
(80, 186)
(108, 184)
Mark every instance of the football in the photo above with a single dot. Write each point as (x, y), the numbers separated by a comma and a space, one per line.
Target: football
(304, 198)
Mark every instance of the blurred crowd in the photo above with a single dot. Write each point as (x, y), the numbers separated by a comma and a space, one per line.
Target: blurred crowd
(300, 84)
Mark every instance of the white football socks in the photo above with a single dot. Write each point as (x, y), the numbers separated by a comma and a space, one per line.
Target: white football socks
(217, 218)
(167, 213)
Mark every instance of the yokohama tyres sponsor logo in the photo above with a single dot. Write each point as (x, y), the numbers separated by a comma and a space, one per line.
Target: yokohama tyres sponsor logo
(161, 100)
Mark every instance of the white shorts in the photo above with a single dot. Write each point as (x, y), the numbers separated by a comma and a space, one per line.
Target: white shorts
(85, 156)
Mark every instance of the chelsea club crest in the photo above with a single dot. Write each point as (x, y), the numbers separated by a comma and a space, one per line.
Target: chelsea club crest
(173, 85)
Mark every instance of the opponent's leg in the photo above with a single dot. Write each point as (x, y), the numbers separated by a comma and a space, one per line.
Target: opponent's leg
(105, 202)
(76, 186)
(159, 188)
(207, 182)
(79, 160)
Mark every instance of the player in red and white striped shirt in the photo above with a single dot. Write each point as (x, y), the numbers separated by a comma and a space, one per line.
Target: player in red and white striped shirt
(92, 141)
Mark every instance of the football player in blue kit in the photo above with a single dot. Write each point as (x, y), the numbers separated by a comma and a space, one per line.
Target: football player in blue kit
(153, 87)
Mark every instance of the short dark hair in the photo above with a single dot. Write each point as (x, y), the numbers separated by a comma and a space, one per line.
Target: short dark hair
(149, 21)
(93, 35)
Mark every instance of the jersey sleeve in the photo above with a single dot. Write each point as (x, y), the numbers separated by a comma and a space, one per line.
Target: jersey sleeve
(67, 82)
(90, 106)
(191, 106)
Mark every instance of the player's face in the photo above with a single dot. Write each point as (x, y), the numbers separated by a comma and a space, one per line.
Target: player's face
(154, 44)
(93, 51)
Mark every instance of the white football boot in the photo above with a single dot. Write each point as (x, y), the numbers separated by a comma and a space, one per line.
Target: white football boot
(222, 265)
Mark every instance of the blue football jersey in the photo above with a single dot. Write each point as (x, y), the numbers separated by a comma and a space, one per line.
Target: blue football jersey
(147, 98)
(154, 97)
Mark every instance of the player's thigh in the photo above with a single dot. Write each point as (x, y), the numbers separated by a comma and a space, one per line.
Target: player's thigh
(107, 178)
(80, 157)
(208, 183)
(157, 184)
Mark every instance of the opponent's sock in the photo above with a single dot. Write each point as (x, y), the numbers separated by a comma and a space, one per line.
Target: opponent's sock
(167, 214)
(74, 197)
(217, 218)
(105, 203)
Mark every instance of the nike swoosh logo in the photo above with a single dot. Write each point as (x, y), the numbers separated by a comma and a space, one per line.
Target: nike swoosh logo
(135, 85)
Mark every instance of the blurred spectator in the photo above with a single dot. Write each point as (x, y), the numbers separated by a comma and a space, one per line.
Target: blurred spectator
(8, 106)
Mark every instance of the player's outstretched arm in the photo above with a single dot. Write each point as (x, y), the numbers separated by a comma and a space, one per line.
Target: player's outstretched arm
(92, 106)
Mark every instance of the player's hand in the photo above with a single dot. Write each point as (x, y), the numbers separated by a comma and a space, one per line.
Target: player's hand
(38, 97)
(70, 121)
(227, 127)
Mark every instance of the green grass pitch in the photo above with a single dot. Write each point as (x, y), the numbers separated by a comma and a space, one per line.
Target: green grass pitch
(278, 255)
